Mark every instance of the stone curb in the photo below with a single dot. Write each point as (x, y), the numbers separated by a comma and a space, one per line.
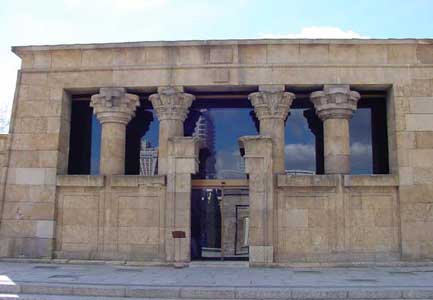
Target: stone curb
(170, 292)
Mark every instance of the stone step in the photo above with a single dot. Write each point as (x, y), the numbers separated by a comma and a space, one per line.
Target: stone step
(63, 291)
(67, 297)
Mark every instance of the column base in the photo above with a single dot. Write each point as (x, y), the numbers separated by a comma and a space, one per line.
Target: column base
(261, 255)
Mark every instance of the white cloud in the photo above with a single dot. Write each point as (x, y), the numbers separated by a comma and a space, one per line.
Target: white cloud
(122, 5)
(317, 32)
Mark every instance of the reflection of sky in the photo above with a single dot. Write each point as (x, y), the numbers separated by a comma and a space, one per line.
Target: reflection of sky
(95, 150)
(152, 134)
(229, 125)
(361, 158)
(300, 149)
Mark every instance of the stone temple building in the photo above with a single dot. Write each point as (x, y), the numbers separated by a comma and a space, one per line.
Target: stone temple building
(316, 151)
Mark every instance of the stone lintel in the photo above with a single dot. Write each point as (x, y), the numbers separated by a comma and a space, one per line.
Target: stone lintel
(272, 88)
(114, 105)
(171, 103)
(336, 101)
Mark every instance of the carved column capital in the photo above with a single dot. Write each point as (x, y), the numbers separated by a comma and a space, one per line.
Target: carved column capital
(114, 105)
(271, 104)
(171, 103)
(335, 102)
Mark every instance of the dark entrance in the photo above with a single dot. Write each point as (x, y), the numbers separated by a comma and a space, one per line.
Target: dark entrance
(219, 224)
(219, 203)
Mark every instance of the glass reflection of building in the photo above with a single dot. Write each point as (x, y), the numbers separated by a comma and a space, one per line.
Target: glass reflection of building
(148, 159)
(220, 123)
(205, 131)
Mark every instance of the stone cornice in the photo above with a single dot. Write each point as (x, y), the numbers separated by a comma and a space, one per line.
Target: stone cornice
(32, 48)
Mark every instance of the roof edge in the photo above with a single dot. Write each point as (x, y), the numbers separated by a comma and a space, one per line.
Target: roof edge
(31, 48)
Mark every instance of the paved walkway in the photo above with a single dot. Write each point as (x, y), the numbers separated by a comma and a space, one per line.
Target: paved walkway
(28, 280)
(238, 276)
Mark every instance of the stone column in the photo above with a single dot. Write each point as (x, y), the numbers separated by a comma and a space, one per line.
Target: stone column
(114, 108)
(171, 105)
(272, 105)
(182, 162)
(335, 106)
(258, 164)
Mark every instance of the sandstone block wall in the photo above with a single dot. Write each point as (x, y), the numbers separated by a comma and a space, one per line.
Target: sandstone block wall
(118, 217)
(39, 138)
(336, 218)
(4, 156)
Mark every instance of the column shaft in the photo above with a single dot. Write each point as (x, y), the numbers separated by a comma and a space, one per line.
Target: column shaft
(167, 128)
(112, 159)
(337, 146)
(275, 129)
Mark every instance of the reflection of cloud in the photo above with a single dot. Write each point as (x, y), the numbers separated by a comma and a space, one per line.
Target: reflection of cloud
(359, 149)
(300, 157)
(361, 158)
(229, 165)
(297, 124)
(317, 32)
(360, 126)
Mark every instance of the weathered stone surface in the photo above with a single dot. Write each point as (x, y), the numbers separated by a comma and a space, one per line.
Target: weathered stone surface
(315, 218)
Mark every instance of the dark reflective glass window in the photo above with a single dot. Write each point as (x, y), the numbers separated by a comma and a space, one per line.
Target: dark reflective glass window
(80, 137)
(95, 151)
(85, 139)
(303, 152)
(142, 134)
(369, 138)
(220, 123)
(141, 149)
(361, 155)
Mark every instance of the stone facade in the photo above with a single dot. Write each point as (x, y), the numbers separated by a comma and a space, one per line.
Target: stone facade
(333, 217)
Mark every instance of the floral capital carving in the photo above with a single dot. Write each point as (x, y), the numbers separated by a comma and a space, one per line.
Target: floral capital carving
(271, 104)
(171, 103)
(335, 102)
(114, 105)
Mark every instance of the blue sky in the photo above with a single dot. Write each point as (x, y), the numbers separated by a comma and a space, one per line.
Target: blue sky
(27, 22)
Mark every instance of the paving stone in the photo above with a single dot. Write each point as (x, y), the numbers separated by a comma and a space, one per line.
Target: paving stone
(208, 293)
(153, 292)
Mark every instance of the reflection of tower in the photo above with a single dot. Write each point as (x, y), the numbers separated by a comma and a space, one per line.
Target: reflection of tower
(241, 164)
(148, 159)
(204, 129)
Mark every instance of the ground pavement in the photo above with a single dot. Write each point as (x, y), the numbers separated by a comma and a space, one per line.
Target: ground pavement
(51, 281)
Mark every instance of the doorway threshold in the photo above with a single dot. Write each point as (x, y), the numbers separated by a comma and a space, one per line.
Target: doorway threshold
(219, 264)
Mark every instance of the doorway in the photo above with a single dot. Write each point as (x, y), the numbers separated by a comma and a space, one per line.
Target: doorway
(219, 222)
